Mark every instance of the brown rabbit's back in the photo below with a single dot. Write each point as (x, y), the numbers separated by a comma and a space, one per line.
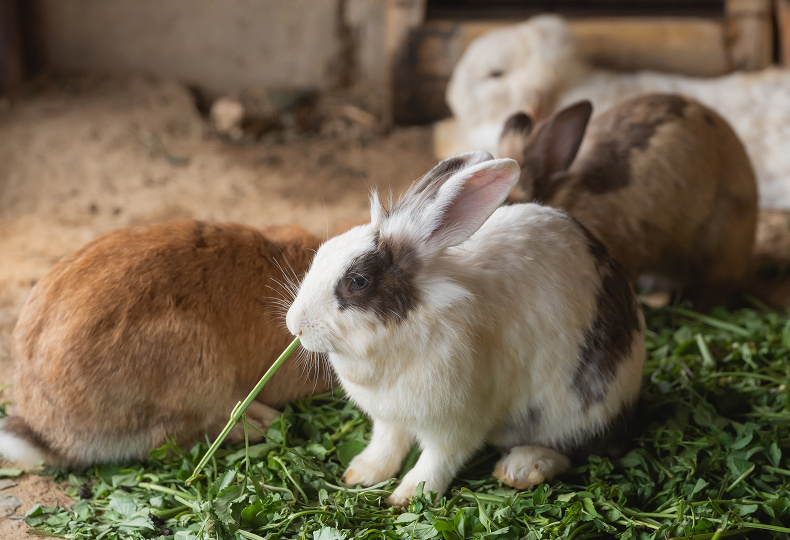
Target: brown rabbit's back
(671, 175)
(156, 330)
(661, 179)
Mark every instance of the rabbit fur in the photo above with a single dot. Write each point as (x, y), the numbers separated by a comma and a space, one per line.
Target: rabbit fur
(451, 322)
(151, 332)
(536, 66)
(660, 179)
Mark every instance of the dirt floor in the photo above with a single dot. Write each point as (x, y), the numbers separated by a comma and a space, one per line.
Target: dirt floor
(85, 156)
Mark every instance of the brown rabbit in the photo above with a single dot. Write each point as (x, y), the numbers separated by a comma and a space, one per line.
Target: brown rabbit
(662, 180)
(154, 331)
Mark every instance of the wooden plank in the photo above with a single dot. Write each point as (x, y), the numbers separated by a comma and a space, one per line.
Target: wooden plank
(690, 46)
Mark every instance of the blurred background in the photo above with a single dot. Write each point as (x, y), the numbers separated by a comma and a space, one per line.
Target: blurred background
(279, 111)
(368, 47)
(288, 111)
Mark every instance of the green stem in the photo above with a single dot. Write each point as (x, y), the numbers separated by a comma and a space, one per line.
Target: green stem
(711, 321)
(343, 430)
(239, 409)
(167, 514)
(185, 502)
(776, 528)
(704, 350)
(291, 478)
(749, 375)
(740, 479)
(169, 491)
(250, 535)
(47, 533)
(470, 495)
(712, 536)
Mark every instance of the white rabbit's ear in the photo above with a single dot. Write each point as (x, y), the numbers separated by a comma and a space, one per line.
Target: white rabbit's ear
(449, 210)
(430, 183)
(469, 198)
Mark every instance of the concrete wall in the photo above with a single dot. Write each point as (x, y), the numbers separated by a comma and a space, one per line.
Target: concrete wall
(223, 45)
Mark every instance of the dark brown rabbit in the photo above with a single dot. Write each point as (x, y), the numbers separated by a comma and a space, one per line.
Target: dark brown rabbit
(661, 179)
(151, 332)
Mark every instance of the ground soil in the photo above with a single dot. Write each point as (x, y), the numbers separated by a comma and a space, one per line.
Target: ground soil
(82, 157)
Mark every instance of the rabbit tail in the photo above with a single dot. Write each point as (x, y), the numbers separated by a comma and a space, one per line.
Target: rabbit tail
(21, 445)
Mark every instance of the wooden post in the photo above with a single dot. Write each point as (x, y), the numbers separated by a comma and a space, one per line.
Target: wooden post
(749, 33)
(783, 27)
(11, 54)
(383, 29)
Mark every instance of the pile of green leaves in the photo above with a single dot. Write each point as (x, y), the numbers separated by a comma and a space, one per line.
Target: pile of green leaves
(711, 460)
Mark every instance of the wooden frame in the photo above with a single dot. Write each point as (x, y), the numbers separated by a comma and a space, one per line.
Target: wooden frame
(740, 39)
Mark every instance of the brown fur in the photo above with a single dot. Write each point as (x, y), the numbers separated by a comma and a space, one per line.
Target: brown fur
(155, 331)
(663, 181)
(391, 293)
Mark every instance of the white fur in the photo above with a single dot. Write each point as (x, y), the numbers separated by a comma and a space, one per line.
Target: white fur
(19, 451)
(498, 329)
(542, 71)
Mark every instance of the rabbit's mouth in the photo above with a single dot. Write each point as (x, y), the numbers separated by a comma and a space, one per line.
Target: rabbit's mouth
(314, 342)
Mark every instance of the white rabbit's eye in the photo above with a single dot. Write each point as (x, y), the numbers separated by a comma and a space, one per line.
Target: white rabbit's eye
(358, 283)
(496, 73)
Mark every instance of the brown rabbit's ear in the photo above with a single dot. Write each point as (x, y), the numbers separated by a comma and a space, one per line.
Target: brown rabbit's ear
(562, 135)
(552, 148)
(514, 136)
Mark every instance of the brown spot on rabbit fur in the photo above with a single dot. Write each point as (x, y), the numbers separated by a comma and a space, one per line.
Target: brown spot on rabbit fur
(610, 337)
(155, 331)
(634, 127)
(390, 269)
(613, 441)
(664, 182)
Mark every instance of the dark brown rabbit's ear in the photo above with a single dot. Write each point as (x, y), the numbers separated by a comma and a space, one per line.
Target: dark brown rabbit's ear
(519, 124)
(562, 135)
(514, 136)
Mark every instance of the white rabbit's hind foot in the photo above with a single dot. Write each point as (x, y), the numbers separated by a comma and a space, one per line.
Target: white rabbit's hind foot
(524, 467)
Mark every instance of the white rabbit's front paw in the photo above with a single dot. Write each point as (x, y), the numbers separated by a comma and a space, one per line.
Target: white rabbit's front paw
(369, 470)
(436, 481)
(402, 495)
(525, 467)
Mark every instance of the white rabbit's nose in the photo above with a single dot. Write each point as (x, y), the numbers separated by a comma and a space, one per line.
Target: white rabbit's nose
(294, 327)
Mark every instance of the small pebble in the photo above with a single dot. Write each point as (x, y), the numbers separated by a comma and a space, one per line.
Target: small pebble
(85, 492)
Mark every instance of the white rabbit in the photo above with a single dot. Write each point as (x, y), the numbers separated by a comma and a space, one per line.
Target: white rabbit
(536, 66)
(452, 322)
